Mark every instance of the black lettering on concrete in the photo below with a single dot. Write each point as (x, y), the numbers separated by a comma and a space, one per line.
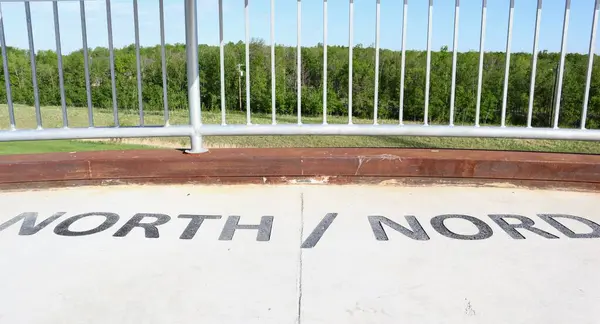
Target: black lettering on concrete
(416, 231)
(525, 223)
(550, 219)
(63, 228)
(318, 232)
(195, 223)
(29, 227)
(232, 224)
(150, 229)
(485, 231)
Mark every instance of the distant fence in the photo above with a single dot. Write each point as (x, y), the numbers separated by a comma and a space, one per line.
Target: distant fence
(196, 129)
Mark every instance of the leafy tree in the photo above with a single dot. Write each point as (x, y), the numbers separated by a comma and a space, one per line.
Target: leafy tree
(311, 80)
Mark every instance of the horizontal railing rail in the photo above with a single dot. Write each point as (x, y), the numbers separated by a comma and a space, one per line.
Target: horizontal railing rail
(196, 129)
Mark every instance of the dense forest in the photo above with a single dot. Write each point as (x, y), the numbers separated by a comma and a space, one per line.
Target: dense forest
(312, 70)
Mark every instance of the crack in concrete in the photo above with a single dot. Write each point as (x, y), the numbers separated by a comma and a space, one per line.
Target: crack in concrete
(299, 284)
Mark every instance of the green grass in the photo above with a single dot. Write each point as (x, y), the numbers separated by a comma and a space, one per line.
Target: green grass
(61, 146)
(78, 117)
(51, 116)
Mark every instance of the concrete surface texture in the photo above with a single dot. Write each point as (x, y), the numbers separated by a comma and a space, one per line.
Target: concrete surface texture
(299, 254)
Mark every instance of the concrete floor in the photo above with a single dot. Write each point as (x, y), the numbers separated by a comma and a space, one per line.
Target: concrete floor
(299, 254)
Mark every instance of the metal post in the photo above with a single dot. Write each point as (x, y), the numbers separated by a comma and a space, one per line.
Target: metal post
(534, 57)
(9, 101)
(561, 68)
(240, 74)
(36, 95)
(350, 59)
(376, 94)
(428, 68)
(590, 64)
(138, 61)
(273, 76)
(554, 93)
(324, 62)
(222, 64)
(481, 57)
(111, 57)
(454, 59)
(86, 64)
(191, 48)
(403, 63)
(61, 80)
(507, 67)
(299, 62)
(247, 30)
(163, 57)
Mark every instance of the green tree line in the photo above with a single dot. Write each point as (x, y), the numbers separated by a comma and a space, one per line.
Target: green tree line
(312, 82)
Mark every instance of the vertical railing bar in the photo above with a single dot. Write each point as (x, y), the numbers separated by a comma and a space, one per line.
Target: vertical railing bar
(428, 68)
(111, 54)
(163, 58)
(376, 94)
(9, 101)
(507, 67)
(247, 26)
(273, 75)
(561, 69)
(299, 61)
(36, 95)
(481, 58)
(324, 62)
(222, 64)
(86, 63)
(454, 59)
(403, 63)
(350, 56)
(538, 18)
(61, 80)
(138, 61)
(193, 75)
(588, 80)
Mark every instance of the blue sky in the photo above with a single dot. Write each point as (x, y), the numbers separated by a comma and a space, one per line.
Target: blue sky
(312, 24)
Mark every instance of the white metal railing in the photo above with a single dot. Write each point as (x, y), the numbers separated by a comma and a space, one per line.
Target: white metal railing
(41, 133)
(196, 129)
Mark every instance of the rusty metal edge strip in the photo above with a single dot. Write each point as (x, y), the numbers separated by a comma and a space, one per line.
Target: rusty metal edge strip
(248, 165)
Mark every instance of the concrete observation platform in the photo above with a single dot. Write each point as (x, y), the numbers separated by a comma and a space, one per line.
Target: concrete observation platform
(388, 251)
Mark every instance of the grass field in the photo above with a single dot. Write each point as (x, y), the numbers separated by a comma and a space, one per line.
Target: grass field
(62, 146)
(51, 117)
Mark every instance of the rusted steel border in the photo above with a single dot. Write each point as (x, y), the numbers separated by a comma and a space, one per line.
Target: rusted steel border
(332, 165)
